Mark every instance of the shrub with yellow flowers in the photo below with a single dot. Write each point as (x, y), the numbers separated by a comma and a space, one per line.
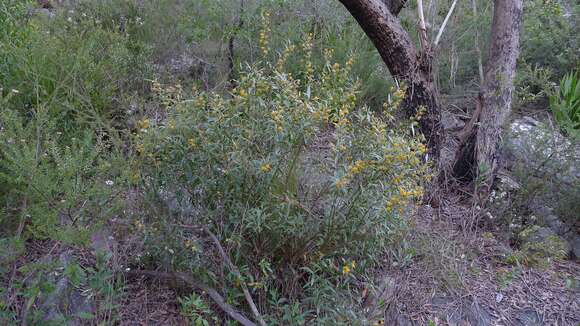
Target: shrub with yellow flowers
(287, 172)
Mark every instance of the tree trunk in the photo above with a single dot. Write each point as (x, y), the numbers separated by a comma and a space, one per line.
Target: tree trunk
(378, 20)
(477, 152)
(478, 155)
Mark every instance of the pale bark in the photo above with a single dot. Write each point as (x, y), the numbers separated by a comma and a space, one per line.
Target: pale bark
(477, 157)
(498, 87)
(449, 13)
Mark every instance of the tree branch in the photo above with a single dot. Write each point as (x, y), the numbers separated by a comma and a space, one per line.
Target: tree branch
(187, 279)
(438, 38)
(235, 270)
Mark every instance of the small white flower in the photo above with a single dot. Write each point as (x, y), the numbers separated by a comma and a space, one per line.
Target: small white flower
(127, 269)
(498, 297)
(109, 182)
(69, 19)
(15, 91)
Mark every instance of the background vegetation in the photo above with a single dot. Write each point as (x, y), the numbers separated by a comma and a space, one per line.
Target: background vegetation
(125, 111)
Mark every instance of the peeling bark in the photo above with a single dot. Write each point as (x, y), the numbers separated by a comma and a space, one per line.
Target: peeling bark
(478, 154)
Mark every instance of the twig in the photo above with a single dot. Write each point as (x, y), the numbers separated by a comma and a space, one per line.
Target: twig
(438, 38)
(214, 295)
(231, 267)
(235, 270)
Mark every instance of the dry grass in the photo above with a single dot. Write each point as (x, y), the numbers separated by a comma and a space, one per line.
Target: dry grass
(460, 278)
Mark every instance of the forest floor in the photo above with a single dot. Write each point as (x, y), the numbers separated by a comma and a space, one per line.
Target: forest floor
(455, 278)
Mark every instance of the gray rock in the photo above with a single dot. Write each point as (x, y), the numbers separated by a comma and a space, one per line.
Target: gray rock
(41, 12)
(536, 234)
(450, 121)
(554, 223)
(528, 317)
(65, 302)
(543, 242)
(468, 313)
(574, 241)
(395, 318)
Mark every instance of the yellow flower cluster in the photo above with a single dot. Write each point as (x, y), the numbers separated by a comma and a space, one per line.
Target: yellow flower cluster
(266, 167)
(288, 50)
(307, 47)
(190, 245)
(263, 40)
(192, 143)
(322, 114)
(356, 168)
(277, 116)
(397, 98)
(343, 116)
(143, 124)
(398, 201)
(347, 268)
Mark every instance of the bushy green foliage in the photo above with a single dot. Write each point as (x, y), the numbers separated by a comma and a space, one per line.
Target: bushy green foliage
(565, 104)
(549, 35)
(71, 65)
(302, 189)
(52, 187)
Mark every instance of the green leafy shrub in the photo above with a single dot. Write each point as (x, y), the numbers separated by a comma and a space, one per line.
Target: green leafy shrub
(52, 187)
(72, 66)
(548, 38)
(565, 104)
(303, 190)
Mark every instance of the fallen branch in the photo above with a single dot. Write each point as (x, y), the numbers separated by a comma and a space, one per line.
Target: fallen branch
(187, 279)
(232, 268)
(235, 270)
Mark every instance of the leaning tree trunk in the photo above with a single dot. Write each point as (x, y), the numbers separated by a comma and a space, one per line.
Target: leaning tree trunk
(478, 155)
(378, 20)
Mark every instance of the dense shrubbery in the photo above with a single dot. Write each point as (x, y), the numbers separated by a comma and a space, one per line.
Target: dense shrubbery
(299, 186)
(305, 186)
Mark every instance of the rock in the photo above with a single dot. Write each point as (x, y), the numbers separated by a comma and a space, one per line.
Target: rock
(103, 241)
(395, 318)
(539, 245)
(450, 121)
(468, 313)
(574, 241)
(539, 146)
(65, 303)
(41, 12)
(528, 317)
(535, 234)
(554, 223)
